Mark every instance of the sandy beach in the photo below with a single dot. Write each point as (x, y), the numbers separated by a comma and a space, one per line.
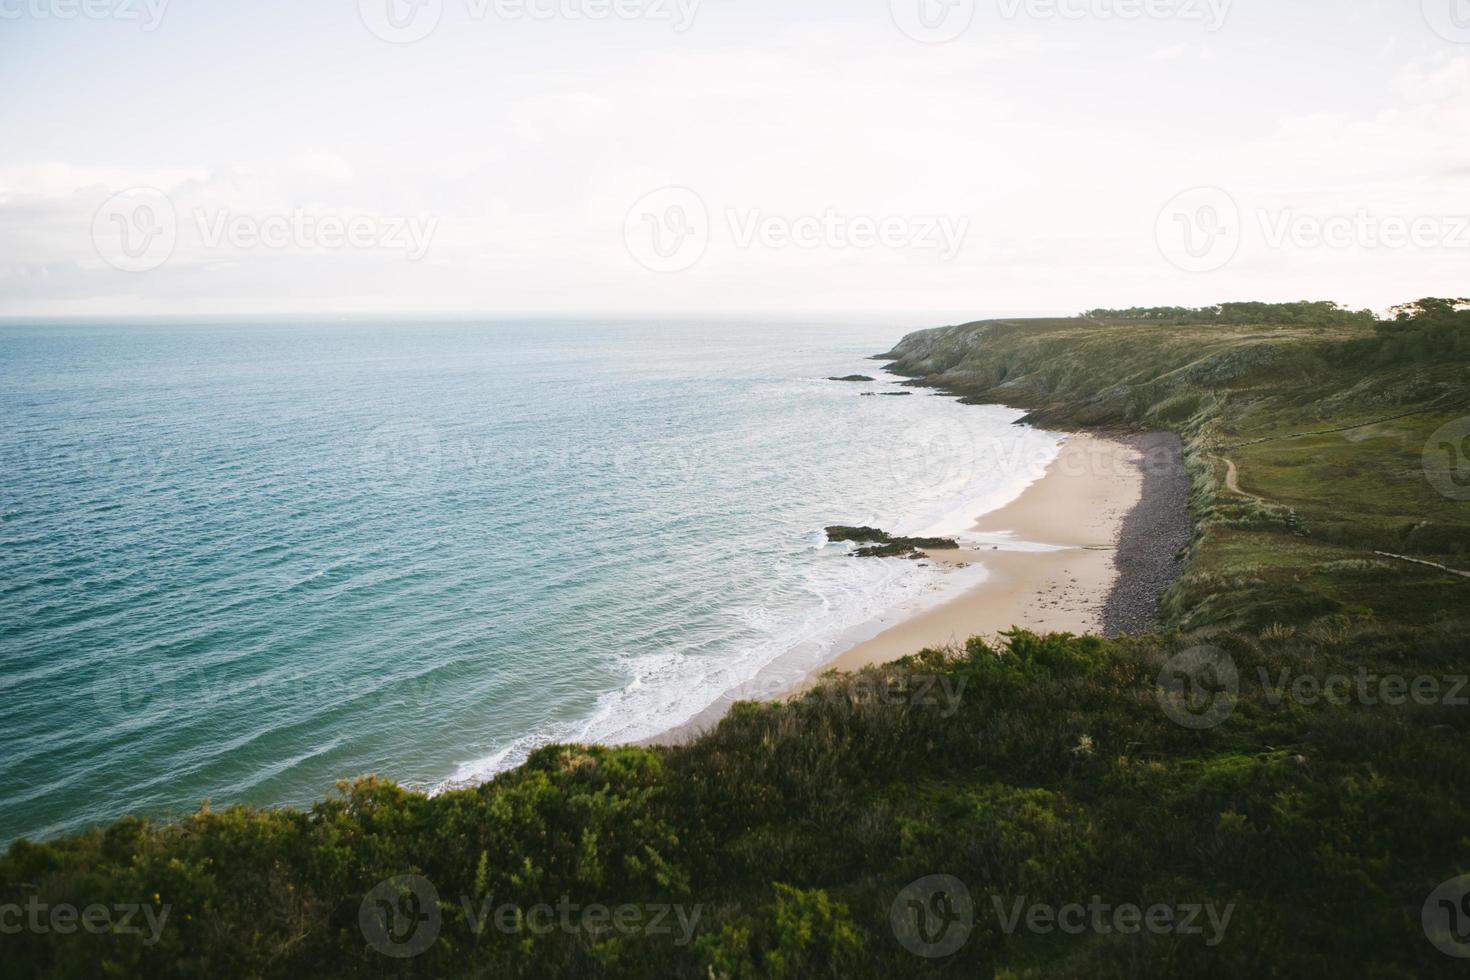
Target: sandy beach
(1049, 557)
(1087, 548)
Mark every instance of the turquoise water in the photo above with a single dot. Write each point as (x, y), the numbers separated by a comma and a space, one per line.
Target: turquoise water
(239, 562)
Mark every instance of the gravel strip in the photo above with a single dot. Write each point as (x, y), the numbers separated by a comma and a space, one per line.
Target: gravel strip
(1154, 534)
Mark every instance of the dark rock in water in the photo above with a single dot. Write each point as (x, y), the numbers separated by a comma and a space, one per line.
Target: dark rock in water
(932, 544)
(887, 394)
(854, 377)
(892, 549)
(839, 533)
(881, 544)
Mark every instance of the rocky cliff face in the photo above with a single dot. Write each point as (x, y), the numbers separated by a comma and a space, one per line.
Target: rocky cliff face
(937, 351)
(1082, 372)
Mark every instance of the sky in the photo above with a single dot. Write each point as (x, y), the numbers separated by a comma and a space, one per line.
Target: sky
(943, 159)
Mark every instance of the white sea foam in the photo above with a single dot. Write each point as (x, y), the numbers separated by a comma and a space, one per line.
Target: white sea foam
(845, 603)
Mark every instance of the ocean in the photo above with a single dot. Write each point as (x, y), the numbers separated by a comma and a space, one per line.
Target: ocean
(241, 561)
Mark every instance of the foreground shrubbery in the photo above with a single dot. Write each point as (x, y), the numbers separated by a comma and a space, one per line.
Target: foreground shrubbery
(1290, 787)
(1045, 769)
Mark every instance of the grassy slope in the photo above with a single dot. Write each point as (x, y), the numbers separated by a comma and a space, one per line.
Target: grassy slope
(1297, 541)
(795, 826)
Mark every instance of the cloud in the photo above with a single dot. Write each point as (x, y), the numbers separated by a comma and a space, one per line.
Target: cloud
(1059, 154)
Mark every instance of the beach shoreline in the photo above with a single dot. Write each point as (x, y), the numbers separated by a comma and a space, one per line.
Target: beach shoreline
(1087, 548)
(1049, 556)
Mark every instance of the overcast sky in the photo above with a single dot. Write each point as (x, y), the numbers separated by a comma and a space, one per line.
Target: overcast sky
(934, 158)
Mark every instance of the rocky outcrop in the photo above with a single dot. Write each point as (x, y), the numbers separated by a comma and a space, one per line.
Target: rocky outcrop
(880, 544)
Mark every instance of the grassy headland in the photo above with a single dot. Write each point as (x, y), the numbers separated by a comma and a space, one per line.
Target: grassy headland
(1047, 771)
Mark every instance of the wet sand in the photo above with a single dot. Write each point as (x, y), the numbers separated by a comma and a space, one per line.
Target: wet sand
(1049, 558)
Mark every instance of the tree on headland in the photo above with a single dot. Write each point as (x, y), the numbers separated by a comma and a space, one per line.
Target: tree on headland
(1424, 329)
(1304, 313)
